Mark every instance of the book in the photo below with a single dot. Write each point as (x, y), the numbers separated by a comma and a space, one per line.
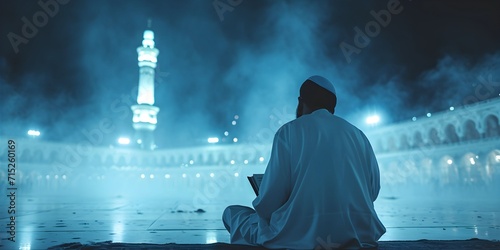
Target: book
(255, 181)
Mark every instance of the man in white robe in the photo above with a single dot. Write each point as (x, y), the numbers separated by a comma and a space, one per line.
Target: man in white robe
(319, 185)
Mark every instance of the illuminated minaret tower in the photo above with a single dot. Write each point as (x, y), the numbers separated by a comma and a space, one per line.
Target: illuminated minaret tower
(144, 117)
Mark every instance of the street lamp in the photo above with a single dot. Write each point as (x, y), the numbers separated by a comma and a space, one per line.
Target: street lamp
(213, 140)
(372, 120)
(123, 141)
(34, 133)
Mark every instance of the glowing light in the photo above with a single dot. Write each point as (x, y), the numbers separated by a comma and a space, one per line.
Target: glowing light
(414, 118)
(245, 162)
(449, 161)
(56, 177)
(64, 177)
(147, 57)
(497, 157)
(167, 176)
(211, 237)
(213, 140)
(33, 132)
(47, 177)
(184, 175)
(143, 176)
(198, 175)
(232, 162)
(124, 141)
(226, 133)
(236, 117)
(191, 162)
(261, 159)
(233, 122)
(472, 161)
(235, 139)
(429, 114)
(151, 176)
(452, 108)
(212, 175)
(236, 174)
(372, 120)
(25, 246)
(118, 230)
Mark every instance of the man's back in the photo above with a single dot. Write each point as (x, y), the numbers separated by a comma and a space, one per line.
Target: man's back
(319, 186)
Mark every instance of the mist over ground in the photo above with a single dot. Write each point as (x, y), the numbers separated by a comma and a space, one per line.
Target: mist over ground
(222, 58)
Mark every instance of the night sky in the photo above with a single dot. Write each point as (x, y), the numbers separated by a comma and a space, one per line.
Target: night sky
(245, 58)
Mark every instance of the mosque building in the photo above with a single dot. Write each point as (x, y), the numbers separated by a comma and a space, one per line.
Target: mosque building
(460, 146)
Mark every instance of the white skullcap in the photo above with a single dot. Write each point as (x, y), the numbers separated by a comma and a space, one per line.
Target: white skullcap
(323, 82)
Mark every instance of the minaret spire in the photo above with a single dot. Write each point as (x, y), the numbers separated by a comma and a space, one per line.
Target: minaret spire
(144, 119)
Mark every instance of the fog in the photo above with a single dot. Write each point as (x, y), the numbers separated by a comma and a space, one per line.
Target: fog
(77, 73)
(81, 67)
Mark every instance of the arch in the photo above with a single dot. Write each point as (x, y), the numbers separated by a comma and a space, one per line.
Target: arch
(451, 135)
(181, 159)
(492, 127)
(493, 164)
(448, 171)
(171, 160)
(470, 131)
(470, 169)
(221, 159)
(190, 158)
(234, 156)
(418, 140)
(434, 137)
(200, 158)
(163, 160)
(426, 172)
(210, 159)
(493, 157)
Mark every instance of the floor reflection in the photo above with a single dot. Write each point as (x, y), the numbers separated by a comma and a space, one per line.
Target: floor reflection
(152, 211)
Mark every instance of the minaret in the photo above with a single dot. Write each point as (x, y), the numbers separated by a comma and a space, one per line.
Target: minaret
(144, 117)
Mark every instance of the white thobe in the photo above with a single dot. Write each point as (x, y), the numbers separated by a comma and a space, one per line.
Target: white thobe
(317, 192)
